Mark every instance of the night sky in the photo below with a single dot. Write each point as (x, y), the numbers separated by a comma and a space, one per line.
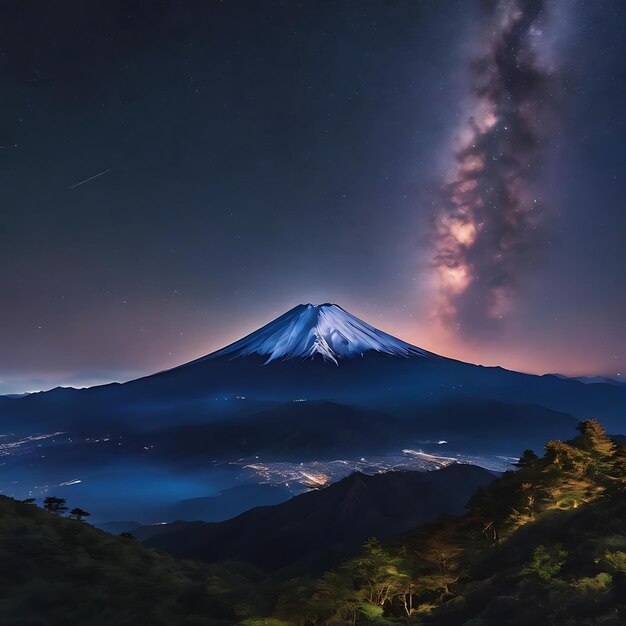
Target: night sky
(175, 174)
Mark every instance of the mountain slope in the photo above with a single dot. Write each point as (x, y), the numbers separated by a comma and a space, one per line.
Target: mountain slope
(313, 530)
(292, 358)
(306, 431)
(543, 545)
(57, 571)
(324, 330)
(228, 503)
(510, 586)
(292, 431)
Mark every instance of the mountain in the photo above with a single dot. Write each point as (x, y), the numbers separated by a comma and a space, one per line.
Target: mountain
(117, 528)
(510, 558)
(312, 531)
(317, 384)
(568, 568)
(543, 545)
(317, 330)
(290, 431)
(229, 502)
(309, 431)
(592, 380)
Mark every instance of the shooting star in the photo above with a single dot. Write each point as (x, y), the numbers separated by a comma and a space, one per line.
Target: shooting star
(82, 182)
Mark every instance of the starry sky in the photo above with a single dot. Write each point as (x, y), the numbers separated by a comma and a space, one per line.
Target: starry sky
(175, 174)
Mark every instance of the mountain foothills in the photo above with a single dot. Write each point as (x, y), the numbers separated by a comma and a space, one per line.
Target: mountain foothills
(316, 388)
(322, 353)
(543, 544)
(313, 530)
(57, 571)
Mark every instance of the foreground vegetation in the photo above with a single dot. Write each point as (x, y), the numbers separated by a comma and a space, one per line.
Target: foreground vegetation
(58, 571)
(544, 544)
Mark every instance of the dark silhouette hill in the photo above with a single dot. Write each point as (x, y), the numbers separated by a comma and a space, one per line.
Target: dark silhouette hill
(312, 531)
(228, 503)
(302, 431)
(296, 430)
(56, 571)
(543, 545)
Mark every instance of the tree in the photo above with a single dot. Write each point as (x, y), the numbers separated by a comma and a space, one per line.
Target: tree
(296, 602)
(29, 500)
(546, 562)
(441, 562)
(378, 574)
(619, 466)
(569, 478)
(616, 560)
(334, 598)
(490, 509)
(600, 582)
(594, 439)
(527, 459)
(78, 514)
(525, 511)
(54, 505)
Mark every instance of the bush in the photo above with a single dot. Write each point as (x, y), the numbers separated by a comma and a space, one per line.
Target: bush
(596, 584)
(546, 562)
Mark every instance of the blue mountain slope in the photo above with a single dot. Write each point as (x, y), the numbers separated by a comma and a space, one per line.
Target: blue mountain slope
(315, 353)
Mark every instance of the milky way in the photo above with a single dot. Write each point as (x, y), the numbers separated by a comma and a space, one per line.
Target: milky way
(487, 228)
(271, 153)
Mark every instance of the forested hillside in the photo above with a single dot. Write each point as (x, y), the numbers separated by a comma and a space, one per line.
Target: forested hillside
(57, 571)
(544, 544)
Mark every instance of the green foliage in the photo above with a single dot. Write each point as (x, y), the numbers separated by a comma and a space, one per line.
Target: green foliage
(264, 621)
(370, 612)
(599, 582)
(334, 598)
(57, 571)
(377, 574)
(546, 562)
(594, 440)
(425, 608)
(544, 544)
(562, 516)
(295, 604)
(616, 560)
(438, 563)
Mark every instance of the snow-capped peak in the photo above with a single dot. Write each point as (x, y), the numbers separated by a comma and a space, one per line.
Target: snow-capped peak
(309, 330)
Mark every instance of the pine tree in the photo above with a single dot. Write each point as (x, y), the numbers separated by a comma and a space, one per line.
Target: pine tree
(78, 514)
(527, 459)
(378, 574)
(440, 556)
(54, 505)
(594, 439)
